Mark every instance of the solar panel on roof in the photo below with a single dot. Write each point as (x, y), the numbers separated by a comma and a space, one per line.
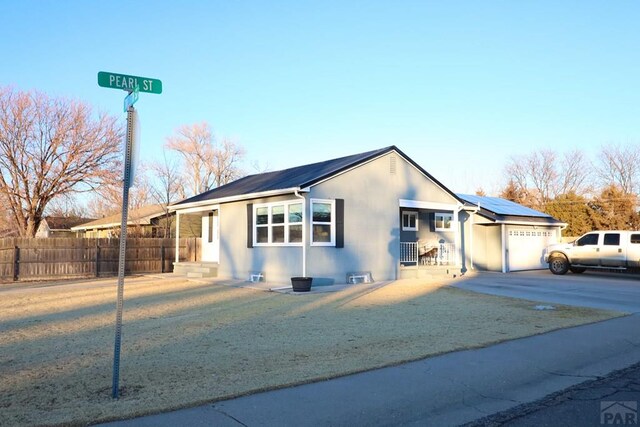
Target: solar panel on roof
(501, 206)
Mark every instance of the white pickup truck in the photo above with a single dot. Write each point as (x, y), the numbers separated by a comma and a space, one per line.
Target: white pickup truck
(618, 250)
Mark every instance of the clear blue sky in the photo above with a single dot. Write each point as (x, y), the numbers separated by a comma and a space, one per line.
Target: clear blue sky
(458, 85)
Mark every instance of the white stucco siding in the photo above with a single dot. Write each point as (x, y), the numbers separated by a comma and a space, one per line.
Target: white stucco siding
(370, 192)
(487, 247)
(371, 217)
(237, 261)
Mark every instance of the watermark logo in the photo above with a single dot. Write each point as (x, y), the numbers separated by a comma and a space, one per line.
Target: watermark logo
(619, 413)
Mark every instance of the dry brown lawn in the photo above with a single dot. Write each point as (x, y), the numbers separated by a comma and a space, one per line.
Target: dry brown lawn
(186, 343)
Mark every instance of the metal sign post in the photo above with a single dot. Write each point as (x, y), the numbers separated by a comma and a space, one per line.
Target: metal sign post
(133, 85)
(123, 248)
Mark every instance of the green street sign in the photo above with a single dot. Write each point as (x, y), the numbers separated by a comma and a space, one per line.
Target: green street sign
(129, 83)
(131, 99)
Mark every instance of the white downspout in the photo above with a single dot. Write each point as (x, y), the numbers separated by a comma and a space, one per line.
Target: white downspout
(559, 232)
(304, 233)
(473, 212)
(458, 239)
(504, 248)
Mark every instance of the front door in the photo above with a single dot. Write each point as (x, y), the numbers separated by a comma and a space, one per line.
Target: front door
(210, 237)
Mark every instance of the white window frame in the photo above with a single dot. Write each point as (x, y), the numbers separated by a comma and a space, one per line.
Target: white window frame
(443, 215)
(409, 214)
(332, 223)
(269, 225)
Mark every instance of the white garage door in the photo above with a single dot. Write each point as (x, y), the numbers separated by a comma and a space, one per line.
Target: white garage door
(526, 247)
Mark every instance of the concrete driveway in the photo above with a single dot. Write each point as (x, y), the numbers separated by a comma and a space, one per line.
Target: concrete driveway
(610, 291)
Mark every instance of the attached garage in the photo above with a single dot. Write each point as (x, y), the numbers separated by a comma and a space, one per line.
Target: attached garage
(526, 245)
(508, 236)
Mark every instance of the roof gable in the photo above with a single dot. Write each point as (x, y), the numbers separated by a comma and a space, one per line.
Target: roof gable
(298, 177)
(64, 222)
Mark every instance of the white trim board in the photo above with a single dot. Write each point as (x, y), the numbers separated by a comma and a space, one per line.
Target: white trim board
(405, 203)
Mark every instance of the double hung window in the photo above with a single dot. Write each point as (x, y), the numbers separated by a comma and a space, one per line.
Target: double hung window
(278, 223)
(409, 221)
(323, 226)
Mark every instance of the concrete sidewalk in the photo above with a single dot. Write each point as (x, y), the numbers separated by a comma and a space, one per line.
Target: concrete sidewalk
(450, 389)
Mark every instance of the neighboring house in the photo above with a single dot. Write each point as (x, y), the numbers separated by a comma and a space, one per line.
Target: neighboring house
(377, 212)
(148, 221)
(59, 226)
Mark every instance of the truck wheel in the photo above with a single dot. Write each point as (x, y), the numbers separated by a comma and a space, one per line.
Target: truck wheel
(577, 270)
(558, 264)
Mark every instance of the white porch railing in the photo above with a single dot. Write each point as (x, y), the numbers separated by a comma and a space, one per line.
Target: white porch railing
(439, 254)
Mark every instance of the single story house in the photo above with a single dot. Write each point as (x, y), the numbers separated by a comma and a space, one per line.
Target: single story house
(59, 226)
(147, 221)
(377, 212)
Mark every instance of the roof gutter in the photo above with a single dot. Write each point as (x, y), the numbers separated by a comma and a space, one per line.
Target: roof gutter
(237, 198)
(540, 224)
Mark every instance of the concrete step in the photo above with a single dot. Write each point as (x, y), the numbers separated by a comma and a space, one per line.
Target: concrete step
(200, 275)
(429, 272)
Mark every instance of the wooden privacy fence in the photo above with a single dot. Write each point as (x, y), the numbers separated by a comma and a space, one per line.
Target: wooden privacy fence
(35, 259)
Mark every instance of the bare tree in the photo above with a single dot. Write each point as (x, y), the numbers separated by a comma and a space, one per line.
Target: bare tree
(168, 187)
(260, 167)
(107, 199)
(7, 226)
(620, 166)
(225, 162)
(541, 176)
(65, 206)
(575, 174)
(195, 144)
(534, 174)
(615, 209)
(206, 163)
(516, 193)
(50, 147)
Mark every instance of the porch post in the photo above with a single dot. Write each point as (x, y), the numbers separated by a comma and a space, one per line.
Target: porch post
(177, 236)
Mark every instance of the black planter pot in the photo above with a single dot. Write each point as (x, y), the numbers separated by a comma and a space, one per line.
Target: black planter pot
(301, 284)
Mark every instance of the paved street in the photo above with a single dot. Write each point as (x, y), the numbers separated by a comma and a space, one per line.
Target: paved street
(460, 387)
(608, 401)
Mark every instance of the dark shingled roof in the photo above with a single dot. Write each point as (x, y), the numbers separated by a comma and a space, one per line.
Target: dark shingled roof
(64, 222)
(297, 177)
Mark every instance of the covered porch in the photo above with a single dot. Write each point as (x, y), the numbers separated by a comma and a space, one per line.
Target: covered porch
(430, 235)
(202, 221)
